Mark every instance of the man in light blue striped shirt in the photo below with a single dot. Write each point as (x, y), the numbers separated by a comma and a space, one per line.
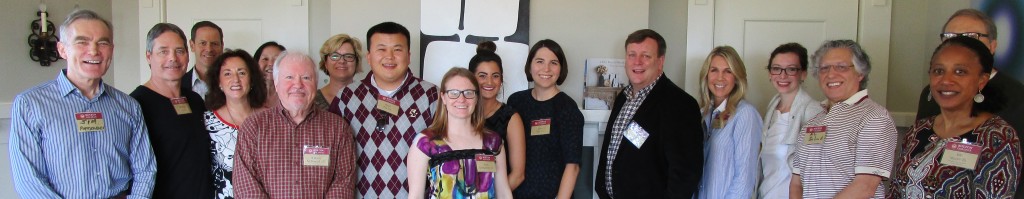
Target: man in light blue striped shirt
(74, 136)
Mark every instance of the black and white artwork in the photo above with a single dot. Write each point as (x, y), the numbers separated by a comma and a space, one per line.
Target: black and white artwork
(450, 30)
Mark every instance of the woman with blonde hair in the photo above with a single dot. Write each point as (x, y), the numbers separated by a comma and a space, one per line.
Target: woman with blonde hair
(339, 59)
(732, 128)
(456, 157)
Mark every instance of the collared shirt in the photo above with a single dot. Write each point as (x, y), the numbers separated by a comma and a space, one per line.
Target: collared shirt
(730, 153)
(388, 93)
(269, 158)
(198, 85)
(51, 159)
(860, 138)
(382, 171)
(619, 127)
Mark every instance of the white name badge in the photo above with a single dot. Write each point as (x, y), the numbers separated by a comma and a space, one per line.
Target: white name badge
(963, 155)
(387, 104)
(89, 122)
(485, 163)
(316, 155)
(181, 106)
(636, 134)
(815, 135)
(540, 127)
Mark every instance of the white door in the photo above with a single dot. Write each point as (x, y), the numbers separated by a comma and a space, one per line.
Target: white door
(756, 27)
(246, 23)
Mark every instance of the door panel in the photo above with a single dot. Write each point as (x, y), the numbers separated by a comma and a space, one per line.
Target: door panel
(755, 28)
(249, 23)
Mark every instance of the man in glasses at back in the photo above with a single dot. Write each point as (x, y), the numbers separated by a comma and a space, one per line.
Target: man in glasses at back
(1001, 87)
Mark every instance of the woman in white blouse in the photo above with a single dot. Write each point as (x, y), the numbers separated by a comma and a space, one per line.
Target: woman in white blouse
(788, 110)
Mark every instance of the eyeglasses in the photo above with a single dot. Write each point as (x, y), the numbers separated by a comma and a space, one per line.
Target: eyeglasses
(349, 57)
(950, 35)
(453, 94)
(839, 68)
(780, 70)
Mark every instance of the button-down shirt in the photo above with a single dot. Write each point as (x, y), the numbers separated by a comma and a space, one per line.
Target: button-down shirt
(730, 152)
(860, 138)
(269, 156)
(198, 85)
(51, 159)
(619, 127)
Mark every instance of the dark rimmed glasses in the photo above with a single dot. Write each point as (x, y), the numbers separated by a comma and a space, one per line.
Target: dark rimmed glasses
(348, 57)
(453, 94)
(780, 70)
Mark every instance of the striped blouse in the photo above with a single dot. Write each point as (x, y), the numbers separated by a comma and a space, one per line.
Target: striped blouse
(860, 138)
(730, 153)
(51, 159)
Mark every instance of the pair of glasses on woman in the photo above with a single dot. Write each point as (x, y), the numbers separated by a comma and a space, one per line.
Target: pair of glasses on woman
(454, 94)
(779, 70)
(348, 57)
(950, 35)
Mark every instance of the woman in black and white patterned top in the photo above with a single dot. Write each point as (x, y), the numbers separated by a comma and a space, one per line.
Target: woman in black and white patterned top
(230, 102)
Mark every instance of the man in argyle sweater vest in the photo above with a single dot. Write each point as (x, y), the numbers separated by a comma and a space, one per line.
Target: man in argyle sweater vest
(386, 110)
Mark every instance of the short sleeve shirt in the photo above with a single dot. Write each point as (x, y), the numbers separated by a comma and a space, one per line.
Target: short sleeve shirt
(860, 138)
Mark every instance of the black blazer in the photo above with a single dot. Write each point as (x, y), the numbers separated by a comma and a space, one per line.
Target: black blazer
(670, 163)
(1008, 91)
(186, 80)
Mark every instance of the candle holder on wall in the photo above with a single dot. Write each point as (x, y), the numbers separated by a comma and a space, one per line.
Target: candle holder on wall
(43, 40)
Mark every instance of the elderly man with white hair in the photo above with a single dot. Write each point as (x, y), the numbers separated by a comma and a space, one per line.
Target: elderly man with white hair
(294, 150)
(847, 150)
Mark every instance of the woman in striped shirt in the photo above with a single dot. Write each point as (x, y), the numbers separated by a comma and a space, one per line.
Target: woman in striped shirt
(732, 128)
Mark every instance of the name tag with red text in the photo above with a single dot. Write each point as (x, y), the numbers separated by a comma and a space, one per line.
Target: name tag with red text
(89, 122)
(815, 135)
(960, 154)
(181, 106)
(540, 127)
(485, 163)
(313, 155)
(387, 104)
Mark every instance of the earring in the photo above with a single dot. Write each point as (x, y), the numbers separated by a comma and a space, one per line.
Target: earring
(979, 97)
(929, 96)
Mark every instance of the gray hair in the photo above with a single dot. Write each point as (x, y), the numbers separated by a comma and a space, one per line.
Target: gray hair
(159, 29)
(861, 63)
(76, 15)
(293, 55)
(976, 14)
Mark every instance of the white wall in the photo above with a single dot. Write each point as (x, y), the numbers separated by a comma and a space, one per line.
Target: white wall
(911, 44)
(668, 17)
(19, 72)
(556, 20)
(919, 23)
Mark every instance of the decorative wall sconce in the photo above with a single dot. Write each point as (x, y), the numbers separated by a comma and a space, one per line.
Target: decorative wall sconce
(43, 40)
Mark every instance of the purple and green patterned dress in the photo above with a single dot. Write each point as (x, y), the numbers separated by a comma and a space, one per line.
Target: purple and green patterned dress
(453, 173)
